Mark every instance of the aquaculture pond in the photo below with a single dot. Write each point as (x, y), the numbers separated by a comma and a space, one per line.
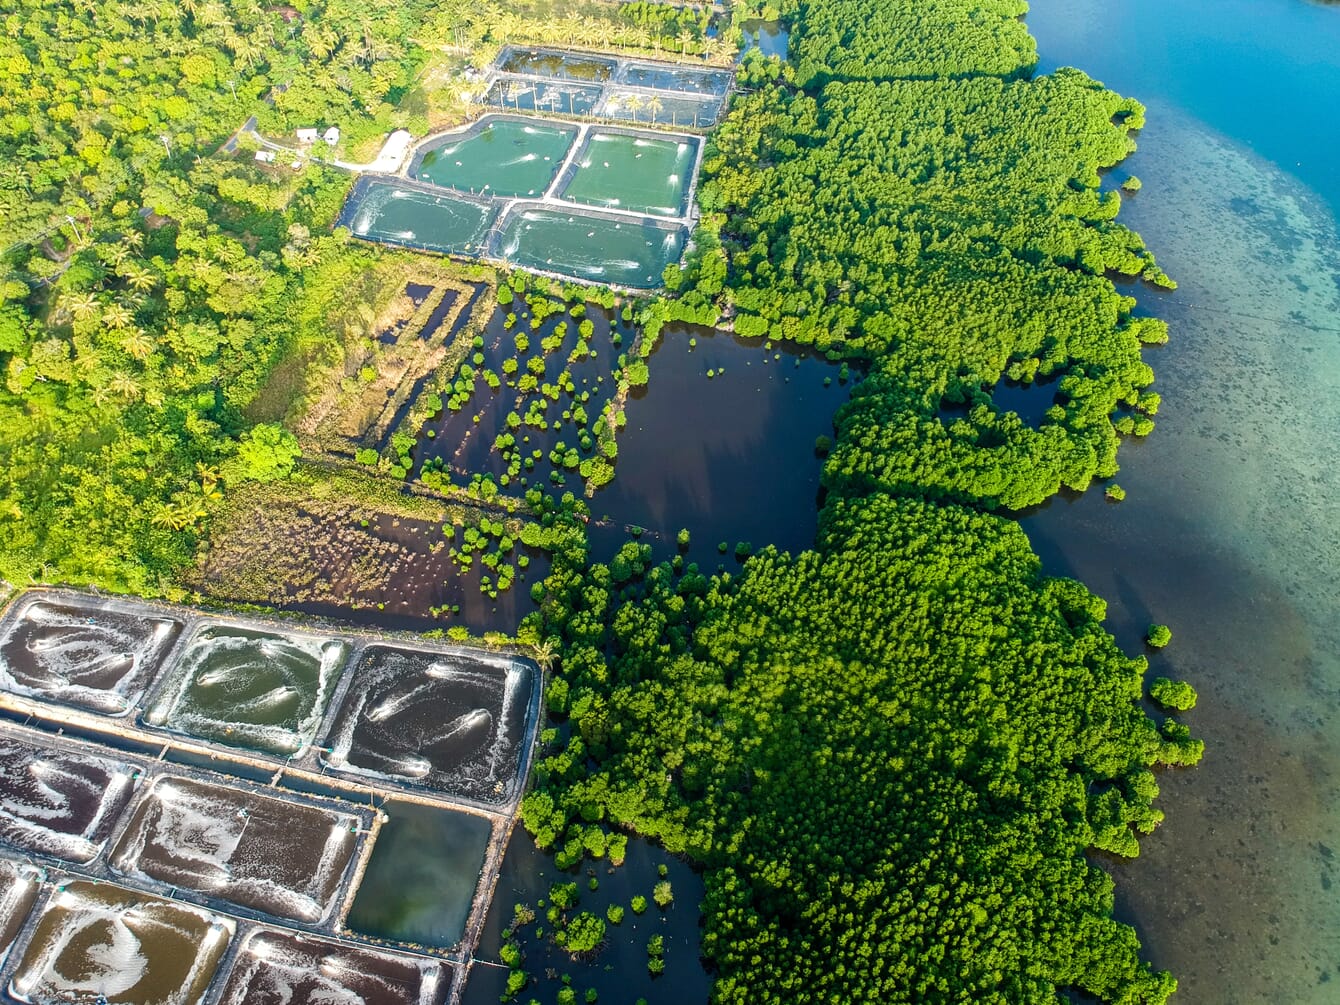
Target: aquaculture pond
(618, 971)
(19, 885)
(421, 878)
(247, 688)
(446, 722)
(59, 802)
(554, 97)
(86, 654)
(643, 174)
(300, 970)
(400, 212)
(679, 111)
(620, 251)
(279, 856)
(659, 76)
(730, 456)
(560, 65)
(98, 941)
(497, 156)
(1230, 532)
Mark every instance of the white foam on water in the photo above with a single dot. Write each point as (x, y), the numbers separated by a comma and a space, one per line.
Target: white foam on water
(274, 967)
(107, 943)
(210, 838)
(44, 787)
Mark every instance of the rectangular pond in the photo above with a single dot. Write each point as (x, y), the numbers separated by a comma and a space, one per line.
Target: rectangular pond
(556, 64)
(683, 79)
(622, 251)
(421, 879)
(59, 802)
(635, 172)
(95, 941)
(265, 691)
(84, 653)
(293, 969)
(676, 111)
(452, 723)
(283, 857)
(19, 885)
(400, 212)
(556, 97)
(498, 156)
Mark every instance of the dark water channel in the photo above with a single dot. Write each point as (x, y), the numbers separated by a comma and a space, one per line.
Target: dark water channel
(1230, 532)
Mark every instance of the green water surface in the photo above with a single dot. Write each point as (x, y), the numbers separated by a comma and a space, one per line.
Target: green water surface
(638, 173)
(628, 252)
(504, 158)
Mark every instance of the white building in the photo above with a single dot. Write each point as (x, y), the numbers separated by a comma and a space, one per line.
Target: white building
(332, 136)
(307, 134)
(265, 156)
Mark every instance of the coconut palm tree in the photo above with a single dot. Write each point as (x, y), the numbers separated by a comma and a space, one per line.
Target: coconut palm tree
(82, 305)
(137, 344)
(125, 386)
(117, 316)
(141, 280)
(545, 653)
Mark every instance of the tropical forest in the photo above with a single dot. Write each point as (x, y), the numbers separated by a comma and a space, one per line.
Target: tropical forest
(270, 348)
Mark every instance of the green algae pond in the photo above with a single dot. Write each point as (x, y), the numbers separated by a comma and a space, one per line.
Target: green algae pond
(421, 878)
(644, 174)
(253, 689)
(500, 156)
(622, 251)
(618, 216)
(395, 211)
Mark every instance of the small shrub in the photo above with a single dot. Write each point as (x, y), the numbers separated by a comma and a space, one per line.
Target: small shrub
(1158, 636)
(1177, 695)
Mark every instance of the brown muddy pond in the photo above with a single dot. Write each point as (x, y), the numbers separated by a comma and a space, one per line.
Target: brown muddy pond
(448, 722)
(87, 655)
(58, 802)
(95, 940)
(285, 968)
(247, 688)
(282, 857)
(18, 890)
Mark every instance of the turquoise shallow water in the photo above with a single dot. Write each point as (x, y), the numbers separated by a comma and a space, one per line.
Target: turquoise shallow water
(1231, 530)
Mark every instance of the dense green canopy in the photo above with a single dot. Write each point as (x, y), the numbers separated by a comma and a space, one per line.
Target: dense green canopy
(885, 39)
(893, 752)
